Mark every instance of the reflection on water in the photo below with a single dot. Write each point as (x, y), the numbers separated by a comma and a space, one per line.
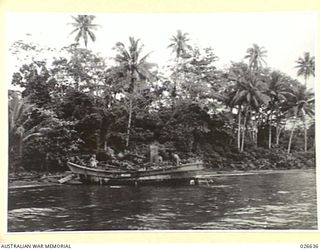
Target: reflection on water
(284, 200)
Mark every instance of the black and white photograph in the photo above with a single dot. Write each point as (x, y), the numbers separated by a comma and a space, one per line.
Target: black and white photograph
(161, 121)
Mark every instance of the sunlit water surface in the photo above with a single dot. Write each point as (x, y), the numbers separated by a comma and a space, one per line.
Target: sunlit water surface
(285, 200)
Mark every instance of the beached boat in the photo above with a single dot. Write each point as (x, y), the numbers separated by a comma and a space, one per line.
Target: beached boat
(181, 174)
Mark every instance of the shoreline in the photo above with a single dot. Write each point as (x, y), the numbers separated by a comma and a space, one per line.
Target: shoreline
(52, 180)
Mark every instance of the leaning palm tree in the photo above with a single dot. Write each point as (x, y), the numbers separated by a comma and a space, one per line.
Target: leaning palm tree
(83, 26)
(306, 66)
(300, 106)
(136, 68)
(256, 55)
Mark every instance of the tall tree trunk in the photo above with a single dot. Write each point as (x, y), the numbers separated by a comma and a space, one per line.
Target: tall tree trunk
(239, 128)
(131, 91)
(305, 80)
(255, 133)
(278, 133)
(291, 136)
(243, 131)
(305, 134)
(174, 92)
(129, 122)
(270, 135)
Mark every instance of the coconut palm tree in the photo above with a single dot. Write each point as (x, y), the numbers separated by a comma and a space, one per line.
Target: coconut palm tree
(137, 69)
(278, 92)
(249, 94)
(300, 105)
(83, 26)
(306, 66)
(179, 44)
(256, 55)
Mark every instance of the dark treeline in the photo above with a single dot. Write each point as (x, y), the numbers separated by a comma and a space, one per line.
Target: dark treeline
(244, 117)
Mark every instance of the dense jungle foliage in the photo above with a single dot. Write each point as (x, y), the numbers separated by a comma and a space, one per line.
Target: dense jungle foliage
(79, 103)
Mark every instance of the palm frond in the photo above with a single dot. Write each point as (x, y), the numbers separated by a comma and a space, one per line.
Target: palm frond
(77, 38)
(73, 31)
(92, 35)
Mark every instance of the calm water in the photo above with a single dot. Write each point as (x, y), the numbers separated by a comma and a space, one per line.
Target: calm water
(285, 200)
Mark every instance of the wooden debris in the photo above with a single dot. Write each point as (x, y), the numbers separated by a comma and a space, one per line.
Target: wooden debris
(66, 179)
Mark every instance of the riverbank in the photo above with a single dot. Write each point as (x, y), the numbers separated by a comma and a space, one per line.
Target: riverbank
(28, 180)
(258, 160)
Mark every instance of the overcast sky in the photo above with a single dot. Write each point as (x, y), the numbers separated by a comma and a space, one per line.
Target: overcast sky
(285, 35)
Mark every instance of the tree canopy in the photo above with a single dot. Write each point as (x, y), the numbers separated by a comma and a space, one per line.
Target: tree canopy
(79, 105)
(83, 27)
(306, 66)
